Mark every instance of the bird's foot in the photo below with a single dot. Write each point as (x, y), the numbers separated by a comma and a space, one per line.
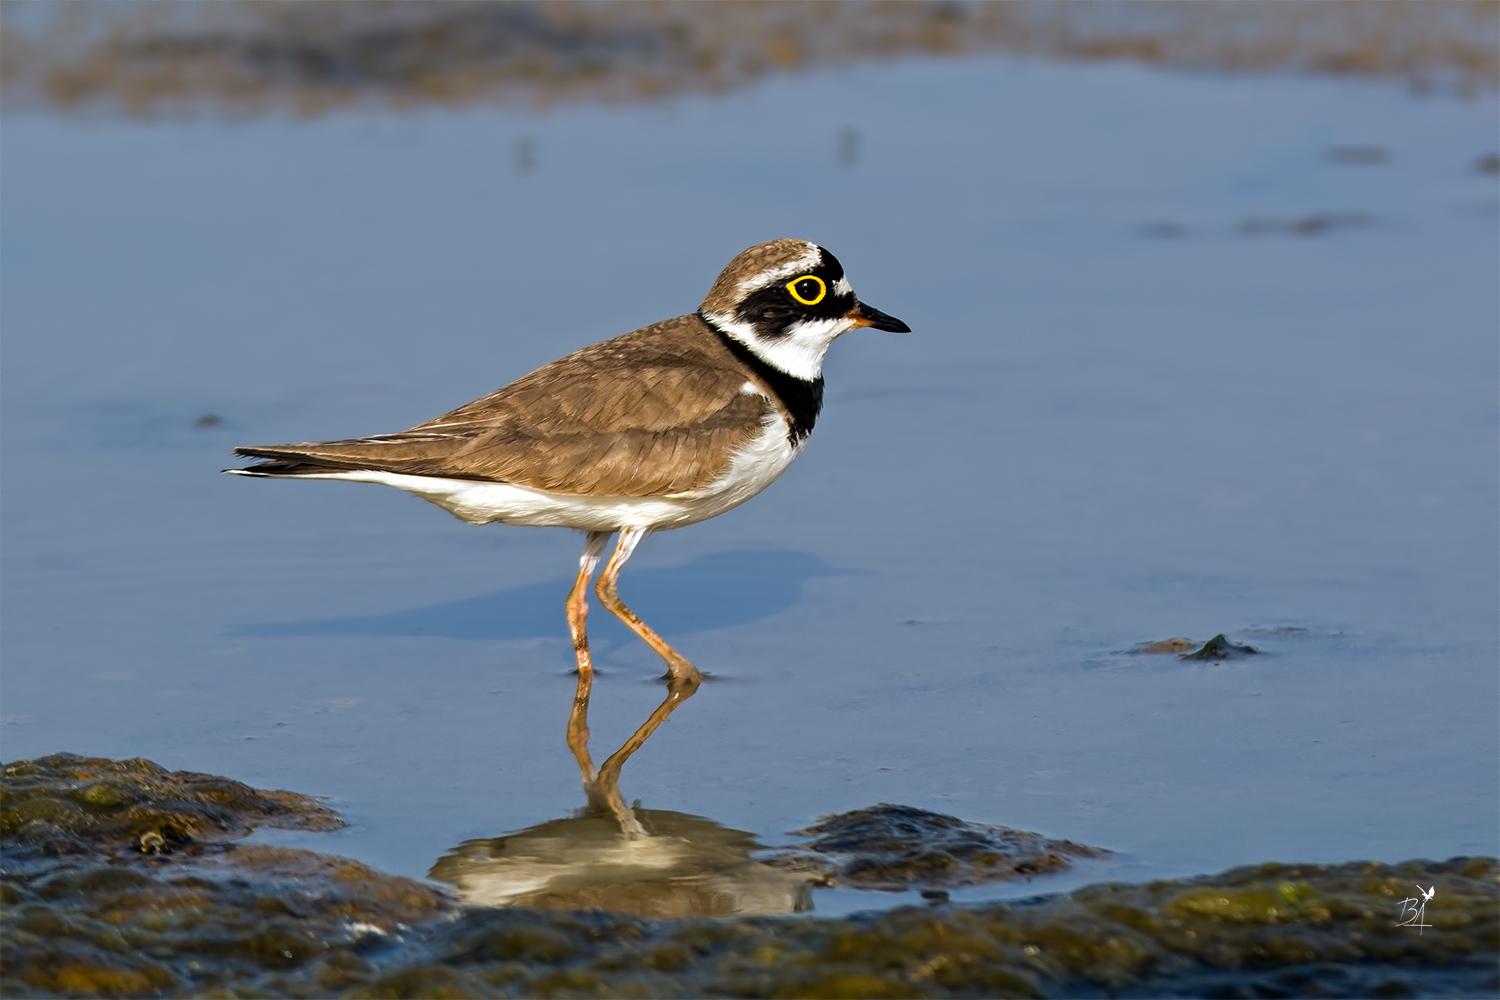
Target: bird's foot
(689, 678)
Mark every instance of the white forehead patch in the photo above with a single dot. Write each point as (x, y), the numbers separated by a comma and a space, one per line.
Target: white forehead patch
(808, 260)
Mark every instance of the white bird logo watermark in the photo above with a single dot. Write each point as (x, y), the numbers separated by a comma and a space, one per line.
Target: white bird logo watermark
(1414, 909)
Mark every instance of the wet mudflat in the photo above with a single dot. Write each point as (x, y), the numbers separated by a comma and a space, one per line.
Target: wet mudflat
(107, 893)
(1195, 355)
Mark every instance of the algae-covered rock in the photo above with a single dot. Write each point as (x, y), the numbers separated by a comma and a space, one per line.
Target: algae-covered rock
(229, 920)
(121, 879)
(1220, 648)
(1270, 930)
(66, 804)
(283, 921)
(898, 847)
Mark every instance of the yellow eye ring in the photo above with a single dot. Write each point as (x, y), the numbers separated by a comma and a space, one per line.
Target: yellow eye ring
(791, 286)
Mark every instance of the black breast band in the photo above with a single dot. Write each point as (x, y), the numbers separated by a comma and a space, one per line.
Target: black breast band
(801, 399)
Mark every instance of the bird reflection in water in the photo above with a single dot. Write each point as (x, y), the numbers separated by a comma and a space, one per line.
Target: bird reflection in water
(643, 862)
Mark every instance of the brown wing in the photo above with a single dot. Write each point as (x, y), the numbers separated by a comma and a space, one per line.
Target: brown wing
(654, 412)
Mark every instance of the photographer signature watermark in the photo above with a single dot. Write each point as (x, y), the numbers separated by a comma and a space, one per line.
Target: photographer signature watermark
(1414, 910)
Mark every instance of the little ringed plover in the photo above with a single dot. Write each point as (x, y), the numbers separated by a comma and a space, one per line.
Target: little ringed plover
(664, 427)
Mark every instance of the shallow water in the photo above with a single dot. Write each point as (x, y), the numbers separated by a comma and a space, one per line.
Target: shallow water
(1179, 368)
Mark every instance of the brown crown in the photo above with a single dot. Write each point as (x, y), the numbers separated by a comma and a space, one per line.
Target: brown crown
(763, 257)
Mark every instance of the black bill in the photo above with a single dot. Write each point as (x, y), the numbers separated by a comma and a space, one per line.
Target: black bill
(864, 315)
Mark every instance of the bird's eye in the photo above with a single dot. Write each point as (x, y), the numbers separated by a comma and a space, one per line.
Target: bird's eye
(808, 289)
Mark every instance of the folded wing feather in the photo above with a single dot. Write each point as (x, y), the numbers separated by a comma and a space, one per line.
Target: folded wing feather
(654, 412)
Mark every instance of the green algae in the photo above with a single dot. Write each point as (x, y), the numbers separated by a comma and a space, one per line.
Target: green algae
(225, 919)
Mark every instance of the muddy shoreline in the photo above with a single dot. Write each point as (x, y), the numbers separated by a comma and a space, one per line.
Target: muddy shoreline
(122, 879)
(312, 58)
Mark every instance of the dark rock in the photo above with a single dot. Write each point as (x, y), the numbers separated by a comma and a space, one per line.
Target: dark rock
(898, 847)
(1220, 648)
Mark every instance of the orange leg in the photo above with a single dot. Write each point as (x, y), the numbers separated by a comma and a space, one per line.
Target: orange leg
(578, 613)
(679, 690)
(603, 786)
(678, 667)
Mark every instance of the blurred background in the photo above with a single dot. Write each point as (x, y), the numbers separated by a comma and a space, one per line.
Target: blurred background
(313, 57)
(1204, 300)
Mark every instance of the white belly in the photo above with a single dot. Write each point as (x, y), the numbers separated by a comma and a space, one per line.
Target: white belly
(753, 468)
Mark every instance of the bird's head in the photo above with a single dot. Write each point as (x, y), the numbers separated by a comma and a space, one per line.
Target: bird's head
(787, 300)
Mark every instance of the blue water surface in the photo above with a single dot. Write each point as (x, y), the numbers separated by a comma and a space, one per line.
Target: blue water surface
(1175, 371)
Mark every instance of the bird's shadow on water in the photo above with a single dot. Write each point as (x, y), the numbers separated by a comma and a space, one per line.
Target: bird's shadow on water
(712, 592)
